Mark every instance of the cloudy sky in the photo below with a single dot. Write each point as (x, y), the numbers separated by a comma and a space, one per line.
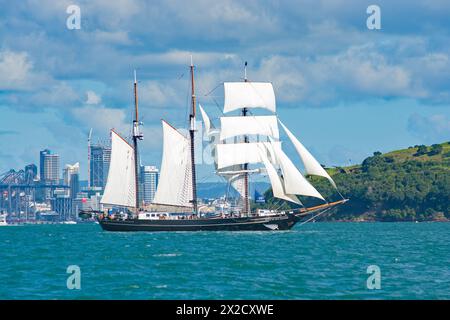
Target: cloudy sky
(343, 89)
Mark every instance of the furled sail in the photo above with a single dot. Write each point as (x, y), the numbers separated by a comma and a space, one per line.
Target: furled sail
(120, 187)
(249, 95)
(251, 125)
(294, 181)
(276, 181)
(175, 180)
(312, 166)
(240, 153)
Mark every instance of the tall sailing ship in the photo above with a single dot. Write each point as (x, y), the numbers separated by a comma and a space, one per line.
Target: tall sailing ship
(243, 145)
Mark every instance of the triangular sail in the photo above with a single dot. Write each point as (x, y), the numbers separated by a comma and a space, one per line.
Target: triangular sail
(276, 181)
(294, 181)
(120, 187)
(248, 95)
(312, 166)
(209, 128)
(175, 180)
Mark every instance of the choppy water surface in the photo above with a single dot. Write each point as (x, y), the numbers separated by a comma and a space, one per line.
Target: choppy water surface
(313, 261)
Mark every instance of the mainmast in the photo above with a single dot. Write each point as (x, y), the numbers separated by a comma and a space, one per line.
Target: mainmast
(246, 198)
(192, 136)
(136, 136)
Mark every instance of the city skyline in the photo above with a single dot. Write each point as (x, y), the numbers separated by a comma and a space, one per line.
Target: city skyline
(56, 193)
(346, 91)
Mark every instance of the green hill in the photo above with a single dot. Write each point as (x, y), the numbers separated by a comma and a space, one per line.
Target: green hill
(405, 185)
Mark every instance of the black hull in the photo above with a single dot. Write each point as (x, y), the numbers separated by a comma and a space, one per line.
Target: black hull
(279, 222)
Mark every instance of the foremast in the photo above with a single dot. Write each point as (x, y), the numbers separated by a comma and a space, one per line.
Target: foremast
(245, 166)
(192, 140)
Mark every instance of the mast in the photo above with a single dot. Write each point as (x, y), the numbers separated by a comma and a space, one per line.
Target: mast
(246, 198)
(192, 137)
(89, 158)
(136, 136)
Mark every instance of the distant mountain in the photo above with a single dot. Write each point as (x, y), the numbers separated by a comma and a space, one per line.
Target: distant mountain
(412, 184)
(218, 189)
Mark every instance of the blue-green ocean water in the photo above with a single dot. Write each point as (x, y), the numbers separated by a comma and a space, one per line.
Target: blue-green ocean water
(313, 261)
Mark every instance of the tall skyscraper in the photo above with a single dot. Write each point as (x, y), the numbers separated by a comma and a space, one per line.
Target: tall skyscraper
(48, 172)
(49, 167)
(52, 166)
(100, 158)
(42, 155)
(71, 170)
(74, 185)
(149, 181)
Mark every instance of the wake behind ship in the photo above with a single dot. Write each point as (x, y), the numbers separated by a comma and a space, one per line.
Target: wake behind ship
(244, 145)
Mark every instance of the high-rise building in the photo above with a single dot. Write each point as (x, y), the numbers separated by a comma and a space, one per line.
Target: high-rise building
(71, 170)
(74, 185)
(148, 181)
(42, 155)
(49, 167)
(100, 158)
(49, 172)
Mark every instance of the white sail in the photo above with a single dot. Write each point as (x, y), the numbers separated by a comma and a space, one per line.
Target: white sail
(276, 181)
(208, 125)
(251, 125)
(238, 183)
(175, 180)
(249, 95)
(120, 187)
(312, 166)
(241, 153)
(294, 181)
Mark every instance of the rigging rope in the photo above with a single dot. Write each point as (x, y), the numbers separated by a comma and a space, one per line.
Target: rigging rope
(211, 91)
(343, 198)
(315, 216)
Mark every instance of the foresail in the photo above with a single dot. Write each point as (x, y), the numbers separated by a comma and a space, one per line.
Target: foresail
(294, 181)
(120, 187)
(250, 125)
(249, 95)
(276, 181)
(312, 166)
(175, 180)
